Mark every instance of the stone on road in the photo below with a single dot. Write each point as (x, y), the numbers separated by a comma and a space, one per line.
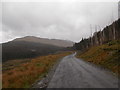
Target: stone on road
(76, 73)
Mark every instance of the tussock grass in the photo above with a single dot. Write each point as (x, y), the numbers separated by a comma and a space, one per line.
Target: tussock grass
(107, 56)
(24, 75)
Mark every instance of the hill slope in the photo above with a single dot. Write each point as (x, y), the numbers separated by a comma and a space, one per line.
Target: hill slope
(24, 49)
(106, 55)
(55, 42)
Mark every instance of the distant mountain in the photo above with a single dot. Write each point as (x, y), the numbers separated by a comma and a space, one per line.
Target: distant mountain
(28, 47)
(55, 42)
(24, 49)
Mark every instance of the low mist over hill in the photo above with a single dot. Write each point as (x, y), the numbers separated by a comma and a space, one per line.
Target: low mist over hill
(56, 42)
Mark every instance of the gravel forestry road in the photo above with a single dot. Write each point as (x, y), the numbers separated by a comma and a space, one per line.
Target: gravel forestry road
(76, 73)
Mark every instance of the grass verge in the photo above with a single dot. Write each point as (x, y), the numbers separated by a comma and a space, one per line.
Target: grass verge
(107, 56)
(25, 73)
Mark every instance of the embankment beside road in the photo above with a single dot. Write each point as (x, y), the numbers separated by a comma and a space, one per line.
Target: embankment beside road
(106, 55)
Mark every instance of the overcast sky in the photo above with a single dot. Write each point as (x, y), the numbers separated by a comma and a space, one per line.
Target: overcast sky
(68, 20)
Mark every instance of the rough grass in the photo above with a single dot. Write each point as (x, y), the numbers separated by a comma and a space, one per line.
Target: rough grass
(25, 74)
(107, 56)
(13, 64)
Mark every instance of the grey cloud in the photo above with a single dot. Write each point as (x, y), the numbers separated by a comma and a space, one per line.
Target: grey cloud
(63, 20)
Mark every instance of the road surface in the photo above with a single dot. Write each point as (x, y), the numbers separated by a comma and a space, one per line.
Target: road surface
(76, 73)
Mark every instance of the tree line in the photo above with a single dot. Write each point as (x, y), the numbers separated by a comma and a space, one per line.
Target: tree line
(109, 33)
